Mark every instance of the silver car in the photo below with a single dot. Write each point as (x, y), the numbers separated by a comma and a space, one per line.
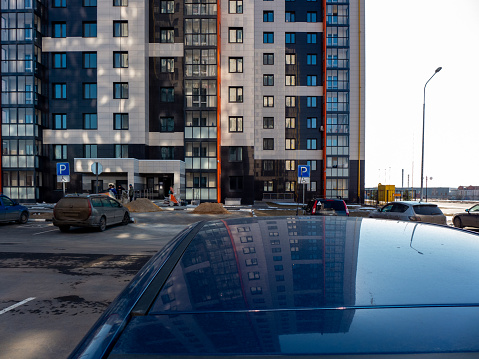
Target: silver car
(89, 210)
(411, 211)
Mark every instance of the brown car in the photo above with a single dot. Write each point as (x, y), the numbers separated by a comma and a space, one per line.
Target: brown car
(468, 219)
(89, 210)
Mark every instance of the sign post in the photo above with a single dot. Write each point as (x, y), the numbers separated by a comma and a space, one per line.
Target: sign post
(97, 169)
(304, 176)
(63, 174)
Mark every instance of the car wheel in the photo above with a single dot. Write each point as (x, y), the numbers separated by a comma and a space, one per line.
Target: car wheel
(64, 228)
(457, 222)
(23, 218)
(102, 225)
(126, 219)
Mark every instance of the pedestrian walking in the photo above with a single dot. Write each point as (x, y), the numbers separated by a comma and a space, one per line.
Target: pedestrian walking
(131, 193)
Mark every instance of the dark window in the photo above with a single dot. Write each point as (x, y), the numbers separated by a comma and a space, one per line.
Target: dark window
(60, 152)
(311, 16)
(167, 94)
(311, 80)
(236, 154)
(120, 121)
(235, 124)
(59, 29)
(311, 59)
(268, 37)
(167, 153)
(90, 121)
(311, 144)
(311, 101)
(311, 38)
(121, 151)
(311, 122)
(89, 60)
(120, 28)
(235, 64)
(59, 121)
(268, 59)
(290, 16)
(59, 3)
(120, 59)
(167, 64)
(290, 37)
(268, 80)
(89, 2)
(268, 143)
(89, 29)
(236, 184)
(120, 90)
(167, 124)
(59, 91)
(236, 94)
(268, 122)
(427, 210)
(268, 16)
(167, 35)
(89, 91)
(120, 2)
(235, 6)
(167, 7)
(60, 60)
(268, 165)
(235, 34)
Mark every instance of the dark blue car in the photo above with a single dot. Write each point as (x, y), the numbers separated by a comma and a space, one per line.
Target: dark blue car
(12, 211)
(306, 286)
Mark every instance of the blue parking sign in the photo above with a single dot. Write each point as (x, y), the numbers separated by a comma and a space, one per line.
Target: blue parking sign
(63, 169)
(303, 171)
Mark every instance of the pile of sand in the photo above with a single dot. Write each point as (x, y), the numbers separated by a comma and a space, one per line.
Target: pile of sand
(210, 208)
(142, 205)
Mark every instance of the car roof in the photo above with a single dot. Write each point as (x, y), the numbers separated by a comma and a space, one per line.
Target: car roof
(414, 203)
(311, 285)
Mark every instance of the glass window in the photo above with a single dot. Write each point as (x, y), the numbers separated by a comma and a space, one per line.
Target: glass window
(268, 143)
(235, 94)
(89, 91)
(268, 122)
(89, 60)
(120, 121)
(167, 124)
(311, 16)
(90, 151)
(167, 7)
(236, 154)
(235, 64)
(236, 184)
(90, 121)
(290, 101)
(60, 60)
(120, 90)
(60, 152)
(167, 36)
(311, 59)
(311, 80)
(311, 122)
(167, 152)
(268, 59)
(89, 29)
(59, 3)
(120, 59)
(89, 2)
(268, 187)
(290, 59)
(268, 16)
(268, 80)
(120, 28)
(290, 143)
(268, 165)
(167, 64)
(235, 34)
(59, 29)
(311, 38)
(311, 101)
(121, 151)
(290, 16)
(235, 6)
(59, 121)
(235, 124)
(290, 80)
(290, 122)
(290, 37)
(59, 91)
(167, 94)
(268, 37)
(290, 165)
(120, 2)
(268, 101)
(311, 144)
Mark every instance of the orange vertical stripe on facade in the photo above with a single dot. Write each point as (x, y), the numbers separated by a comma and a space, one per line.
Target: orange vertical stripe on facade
(218, 102)
(325, 104)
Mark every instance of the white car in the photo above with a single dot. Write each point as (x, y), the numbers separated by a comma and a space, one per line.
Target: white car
(411, 211)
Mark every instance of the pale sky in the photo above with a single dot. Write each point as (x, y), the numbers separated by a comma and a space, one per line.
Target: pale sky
(405, 42)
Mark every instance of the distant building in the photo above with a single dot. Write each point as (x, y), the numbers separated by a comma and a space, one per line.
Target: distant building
(465, 193)
(219, 99)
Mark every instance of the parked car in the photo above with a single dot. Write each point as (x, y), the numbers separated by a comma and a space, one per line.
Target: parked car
(468, 219)
(89, 210)
(411, 211)
(299, 287)
(327, 207)
(12, 211)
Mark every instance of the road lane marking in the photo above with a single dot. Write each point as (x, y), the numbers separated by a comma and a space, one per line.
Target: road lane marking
(51, 230)
(16, 305)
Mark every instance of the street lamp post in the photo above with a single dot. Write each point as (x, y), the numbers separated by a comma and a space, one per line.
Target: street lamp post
(423, 127)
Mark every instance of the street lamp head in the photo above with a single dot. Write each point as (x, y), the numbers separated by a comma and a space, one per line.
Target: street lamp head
(438, 69)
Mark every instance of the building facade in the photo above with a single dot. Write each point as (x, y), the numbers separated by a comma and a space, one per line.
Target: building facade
(215, 98)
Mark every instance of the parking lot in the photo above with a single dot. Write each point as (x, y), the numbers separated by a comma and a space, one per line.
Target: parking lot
(54, 285)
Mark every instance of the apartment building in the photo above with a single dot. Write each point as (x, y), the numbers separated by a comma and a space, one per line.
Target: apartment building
(217, 99)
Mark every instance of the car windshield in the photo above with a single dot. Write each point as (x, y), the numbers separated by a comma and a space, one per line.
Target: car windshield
(427, 210)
